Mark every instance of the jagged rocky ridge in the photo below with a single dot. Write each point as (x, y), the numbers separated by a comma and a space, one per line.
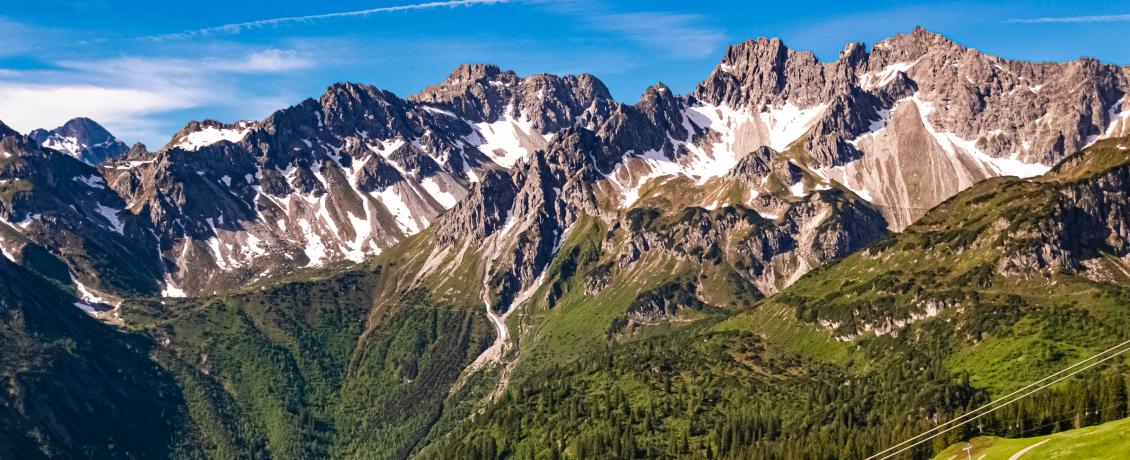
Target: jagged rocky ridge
(823, 156)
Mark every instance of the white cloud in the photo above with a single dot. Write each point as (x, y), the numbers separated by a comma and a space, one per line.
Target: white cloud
(129, 95)
(17, 38)
(273, 60)
(1074, 19)
(236, 28)
(28, 106)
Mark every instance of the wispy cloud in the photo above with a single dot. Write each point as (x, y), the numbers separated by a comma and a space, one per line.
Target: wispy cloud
(683, 35)
(236, 28)
(1073, 19)
(270, 60)
(678, 34)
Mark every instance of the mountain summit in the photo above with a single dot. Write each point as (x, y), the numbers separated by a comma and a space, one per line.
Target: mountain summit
(81, 138)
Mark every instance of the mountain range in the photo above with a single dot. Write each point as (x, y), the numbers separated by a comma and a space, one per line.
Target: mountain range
(508, 266)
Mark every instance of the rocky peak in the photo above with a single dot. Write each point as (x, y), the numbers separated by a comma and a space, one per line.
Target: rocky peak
(483, 93)
(136, 151)
(81, 138)
(662, 108)
(853, 55)
(469, 74)
(908, 47)
(351, 109)
(552, 103)
(764, 72)
(5, 131)
(476, 92)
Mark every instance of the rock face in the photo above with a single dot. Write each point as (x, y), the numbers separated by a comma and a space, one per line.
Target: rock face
(810, 160)
(59, 217)
(1083, 221)
(771, 254)
(81, 138)
(920, 98)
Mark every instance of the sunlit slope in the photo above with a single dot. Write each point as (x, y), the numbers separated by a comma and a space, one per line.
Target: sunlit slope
(1110, 440)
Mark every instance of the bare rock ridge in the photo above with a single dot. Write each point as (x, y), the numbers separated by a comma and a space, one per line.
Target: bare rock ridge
(482, 93)
(786, 161)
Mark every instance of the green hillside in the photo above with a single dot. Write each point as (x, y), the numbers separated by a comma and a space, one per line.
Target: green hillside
(342, 363)
(1102, 442)
(73, 387)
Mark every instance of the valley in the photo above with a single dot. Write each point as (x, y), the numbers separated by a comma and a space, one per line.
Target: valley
(797, 259)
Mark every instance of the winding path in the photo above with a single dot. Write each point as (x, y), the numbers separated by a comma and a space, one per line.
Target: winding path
(1025, 450)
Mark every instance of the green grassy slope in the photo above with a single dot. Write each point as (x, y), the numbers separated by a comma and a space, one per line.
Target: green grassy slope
(1102, 442)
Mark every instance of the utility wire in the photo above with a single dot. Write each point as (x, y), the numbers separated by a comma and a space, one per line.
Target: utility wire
(885, 454)
(991, 403)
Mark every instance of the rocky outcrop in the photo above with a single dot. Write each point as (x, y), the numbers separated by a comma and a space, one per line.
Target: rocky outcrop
(771, 254)
(485, 210)
(552, 189)
(668, 302)
(1082, 221)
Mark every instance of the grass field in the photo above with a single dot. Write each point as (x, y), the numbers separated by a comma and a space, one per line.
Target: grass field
(1110, 440)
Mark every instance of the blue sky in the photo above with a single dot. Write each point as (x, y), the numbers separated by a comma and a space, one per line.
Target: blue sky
(144, 68)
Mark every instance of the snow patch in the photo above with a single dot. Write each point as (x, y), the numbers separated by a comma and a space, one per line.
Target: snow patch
(67, 145)
(171, 290)
(399, 210)
(445, 199)
(89, 295)
(879, 79)
(788, 123)
(315, 250)
(797, 189)
(1119, 121)
(210, 135)
(954, 145)
(505, 141)
(91, 181)
(438, 111)
(86, 308)
(111, 215)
